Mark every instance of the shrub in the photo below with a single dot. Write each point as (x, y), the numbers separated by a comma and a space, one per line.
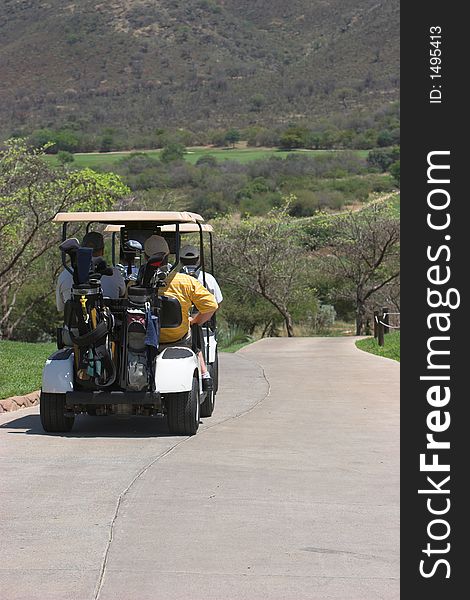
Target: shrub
(173, 151)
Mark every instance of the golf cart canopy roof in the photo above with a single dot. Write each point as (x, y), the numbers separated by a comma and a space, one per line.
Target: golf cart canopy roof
(184, 228)
(131, 216)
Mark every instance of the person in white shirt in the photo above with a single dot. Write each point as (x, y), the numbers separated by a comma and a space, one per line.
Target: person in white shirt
(113, 286)
(189, 256)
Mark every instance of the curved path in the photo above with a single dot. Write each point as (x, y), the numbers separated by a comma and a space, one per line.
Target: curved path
(289, 492)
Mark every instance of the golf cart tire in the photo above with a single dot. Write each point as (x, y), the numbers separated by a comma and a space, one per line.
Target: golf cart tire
(52, 409)
(214, 369)
(207, 407)
(183, 411)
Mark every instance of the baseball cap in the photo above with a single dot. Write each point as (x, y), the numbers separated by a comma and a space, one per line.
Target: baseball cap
(189, 252)
(93, 239)
(156, 244)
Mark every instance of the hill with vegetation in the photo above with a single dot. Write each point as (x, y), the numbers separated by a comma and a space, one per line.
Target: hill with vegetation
(141, 66)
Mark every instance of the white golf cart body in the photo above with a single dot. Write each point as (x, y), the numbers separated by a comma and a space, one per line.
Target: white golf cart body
(172, 375)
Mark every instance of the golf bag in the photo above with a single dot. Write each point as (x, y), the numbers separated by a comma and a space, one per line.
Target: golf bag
(89, 321)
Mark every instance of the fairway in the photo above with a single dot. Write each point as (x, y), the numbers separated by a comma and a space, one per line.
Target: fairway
(242, 155)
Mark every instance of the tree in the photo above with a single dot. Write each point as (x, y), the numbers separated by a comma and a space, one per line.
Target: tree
(32, 192)
(232, 137)
(257, 102)
(262, 256)
(383, 158)
(294, 137)
(65, 157)
(395, 172)
(172, 151)
(362, 256)
(107, 142)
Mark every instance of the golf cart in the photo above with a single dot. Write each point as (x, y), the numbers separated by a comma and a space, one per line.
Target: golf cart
(108, 360)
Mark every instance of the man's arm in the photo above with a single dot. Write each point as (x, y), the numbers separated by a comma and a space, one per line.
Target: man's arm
(204, 301)
(200, 318)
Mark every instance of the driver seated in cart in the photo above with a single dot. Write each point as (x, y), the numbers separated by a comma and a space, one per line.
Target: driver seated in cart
(188, 291)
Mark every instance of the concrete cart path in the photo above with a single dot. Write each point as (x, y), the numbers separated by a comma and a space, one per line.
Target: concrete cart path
(289, 492)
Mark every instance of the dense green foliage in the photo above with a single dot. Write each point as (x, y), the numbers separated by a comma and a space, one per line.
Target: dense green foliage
(325, 180)
(361, 130)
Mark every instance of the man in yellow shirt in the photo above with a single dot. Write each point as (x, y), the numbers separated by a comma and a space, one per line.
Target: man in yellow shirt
(189, 292)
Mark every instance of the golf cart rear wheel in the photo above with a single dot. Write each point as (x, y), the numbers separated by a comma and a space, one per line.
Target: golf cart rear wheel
(207, 407)
(52, 409)
(183, 411)
(214, 369)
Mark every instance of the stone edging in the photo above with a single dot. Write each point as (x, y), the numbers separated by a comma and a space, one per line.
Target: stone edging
(17, 402)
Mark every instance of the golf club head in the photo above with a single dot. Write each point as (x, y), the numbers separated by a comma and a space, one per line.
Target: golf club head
(133, 245)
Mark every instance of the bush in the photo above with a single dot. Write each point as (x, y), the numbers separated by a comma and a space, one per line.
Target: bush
(325, 318)
(137, 163)
(207, 160)
(172, 151)
(395, 171)
(383, 158)
(65, 157)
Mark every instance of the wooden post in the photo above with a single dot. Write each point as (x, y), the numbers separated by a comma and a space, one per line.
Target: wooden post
(380, 335)
(386, 319)
(376, 323)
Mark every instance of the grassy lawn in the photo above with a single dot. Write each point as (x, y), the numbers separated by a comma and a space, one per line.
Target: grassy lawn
(243, 155)
(235, 347)
(21, 367)
(391, 349)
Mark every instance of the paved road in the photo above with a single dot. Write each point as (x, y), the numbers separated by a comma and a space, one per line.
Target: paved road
(289, 492)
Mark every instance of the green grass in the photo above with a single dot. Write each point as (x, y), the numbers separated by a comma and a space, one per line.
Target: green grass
(21, 367)
(242, 155)
(234, 347)
(391, 349)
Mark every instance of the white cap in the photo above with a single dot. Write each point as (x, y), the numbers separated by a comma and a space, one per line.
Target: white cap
(156, 244)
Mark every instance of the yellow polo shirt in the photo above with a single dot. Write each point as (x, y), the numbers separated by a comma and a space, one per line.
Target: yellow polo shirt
(188, 291)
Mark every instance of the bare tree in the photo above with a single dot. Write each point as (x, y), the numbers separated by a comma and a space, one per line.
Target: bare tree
(262, 256)
(363, 255)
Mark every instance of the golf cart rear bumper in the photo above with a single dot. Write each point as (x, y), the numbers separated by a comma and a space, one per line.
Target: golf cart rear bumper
(100, 398)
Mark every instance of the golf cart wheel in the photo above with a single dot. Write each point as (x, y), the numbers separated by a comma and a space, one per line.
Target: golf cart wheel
(214, 369)
(52, 409)
(207, 407)
(183, 411)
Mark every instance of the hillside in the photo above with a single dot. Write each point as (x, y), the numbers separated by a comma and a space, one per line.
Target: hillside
(141, 65)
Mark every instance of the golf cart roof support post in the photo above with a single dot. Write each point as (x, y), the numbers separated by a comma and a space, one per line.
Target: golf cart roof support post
(201, 254)
(113, 248)
(63, 255)
(205, 347)
(212, 252)
(178, 243)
